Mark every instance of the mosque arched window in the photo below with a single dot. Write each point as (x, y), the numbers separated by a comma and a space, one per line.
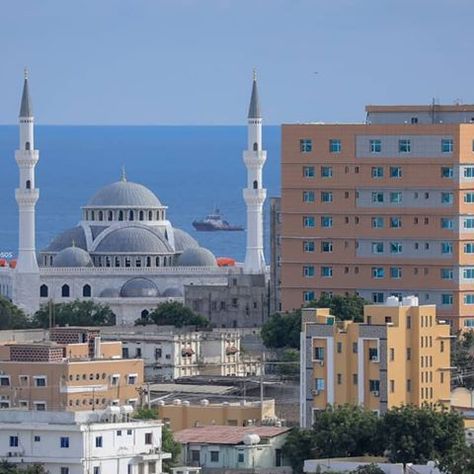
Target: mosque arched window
(51, 260)
(131, 215)
(92, 216)
(110, 216)
(138, 262)
(255, 184)
(148, 261)
(107, 261)
(157, 261)
(45, 260)
(145, 313)
(86, 291)
(65, 291)
(157, 215)
(43, 291)
(120, 216)
(27, 146)
(127, 261)
(255, 146)
(164, 261)
(117, 261)
(101, 216)
(28, 184)
(150, 216)
(141, 215)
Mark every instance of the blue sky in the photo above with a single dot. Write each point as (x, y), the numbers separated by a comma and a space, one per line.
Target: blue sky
(190, 61)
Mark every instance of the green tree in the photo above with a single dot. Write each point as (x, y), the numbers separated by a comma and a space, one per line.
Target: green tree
(368, 469)
(349, 307)
(174, 314)
(12, 317)
(282, 330)
(298, 446)
(76, 313)
(462, 357)
(459, 461)
(290, 367)
(420, 434)
(10, 468)
(169, 445)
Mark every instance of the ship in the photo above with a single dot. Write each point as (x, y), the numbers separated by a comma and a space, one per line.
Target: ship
(213, 222)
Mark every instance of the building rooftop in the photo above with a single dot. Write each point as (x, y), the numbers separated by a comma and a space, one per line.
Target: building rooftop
(419, 108)
(215, 434)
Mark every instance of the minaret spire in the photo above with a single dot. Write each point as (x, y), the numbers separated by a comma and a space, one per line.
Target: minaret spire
(254, 194)
(26, 280)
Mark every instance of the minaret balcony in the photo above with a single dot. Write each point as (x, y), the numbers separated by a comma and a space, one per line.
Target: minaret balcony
(254, 196)
(26, 196)
(26, 158)
(255, 159)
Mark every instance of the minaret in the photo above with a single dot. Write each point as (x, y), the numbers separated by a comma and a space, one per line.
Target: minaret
(26, 284)
(254, 193)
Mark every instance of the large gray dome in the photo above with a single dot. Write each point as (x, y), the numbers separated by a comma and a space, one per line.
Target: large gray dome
(72, 257)
(182, 240)
(134, 239)
(65, 239)
(197, 257)
(124, 194)
(139, 288)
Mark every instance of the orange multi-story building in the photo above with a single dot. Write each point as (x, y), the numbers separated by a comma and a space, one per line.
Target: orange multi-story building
(381, 208)
(74, 370)
(399, 355)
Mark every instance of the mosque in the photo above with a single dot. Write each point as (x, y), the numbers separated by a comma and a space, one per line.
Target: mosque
(124, 252)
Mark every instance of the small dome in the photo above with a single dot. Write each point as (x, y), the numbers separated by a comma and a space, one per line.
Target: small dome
(124, 193)
(139, 288)
(109, 293)
(197, 257)
(72, 257)
(172, 292)
(134, 239)
(182, 240)
(66, 238)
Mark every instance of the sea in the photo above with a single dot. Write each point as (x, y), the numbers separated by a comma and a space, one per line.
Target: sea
(192, 170)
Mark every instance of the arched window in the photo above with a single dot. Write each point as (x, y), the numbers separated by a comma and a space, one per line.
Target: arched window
(157, 215)
(120, 216)
(255, 146)
(27, 146)
(164, 261)
(157, 261)
(28, 184)
(101, 216)
(117, 261)
(86, 291)
(145, 313)
(131, 215)
(150, 215)
(50, 260)
(107, 261)
(141, 215)
(65, 291)
(148, 261)
(255, 184)
(92, 216)
(110, 216)
(43, 291)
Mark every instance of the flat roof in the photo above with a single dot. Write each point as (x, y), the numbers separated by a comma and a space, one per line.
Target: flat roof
(189, 388)
(420, 108)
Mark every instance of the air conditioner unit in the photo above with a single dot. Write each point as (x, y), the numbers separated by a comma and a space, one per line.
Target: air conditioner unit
(376, 393)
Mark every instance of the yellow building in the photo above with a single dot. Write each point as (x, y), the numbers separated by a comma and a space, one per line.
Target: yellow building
(399, 355)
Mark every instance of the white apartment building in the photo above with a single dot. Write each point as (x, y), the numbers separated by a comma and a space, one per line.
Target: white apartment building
(169, 353)
(95, 442)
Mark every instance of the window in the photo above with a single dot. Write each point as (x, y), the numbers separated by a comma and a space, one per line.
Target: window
(447, 172)
(447, 298)
(374, 385)
(241, 456)
(37, 439)
(408, 352)
(447, 145)
(378, 272)
(395, 272)
(373, 353)
(64, 442)
(308, 196)
(319, 353)
(392, 354)
(354, 347)
(395, 222)
(377, 196)
(469, 171)
(65, 292)
(13, 441)
(86, 291)
(43, 291)
(326, 247)
(469, 323)
(339, 347)
(4, 380)
(98, 441)
(414, 120)
(96, 470)
(308, 271)
(395, 171)
(375, 146)
(447, 273)
(214, 456)
(392, 386)
(377, 297)
(64, 470)
(326, 221)
(319, 384)
(354, 379)
(446, 247)
(326, 196)
(404, 146)
(339, 379)
(468, 273)
(469, 197)
(326, 272)
(377, 172)
(308, 221)
(308, 296)
(148, 438)
(377, 222)
(40, 381)
(326, 171)
(308, 246)
(469, 247)
(447, 223)
(132, 379)
(447, 198)
(40, 406)
(469, 223)
(395, 247)
(469, 298)
(335, 146)
(377, 247)
(306, 145)
(395, 197)
(308, 172)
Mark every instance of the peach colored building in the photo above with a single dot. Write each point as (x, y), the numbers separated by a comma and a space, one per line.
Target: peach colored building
(74, 370)
(399, 355)
(381, 208)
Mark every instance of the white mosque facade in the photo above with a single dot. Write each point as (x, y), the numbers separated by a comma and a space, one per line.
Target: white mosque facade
(124, 252)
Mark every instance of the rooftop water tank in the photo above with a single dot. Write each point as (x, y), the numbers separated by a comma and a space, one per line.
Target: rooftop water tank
(251, 439)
